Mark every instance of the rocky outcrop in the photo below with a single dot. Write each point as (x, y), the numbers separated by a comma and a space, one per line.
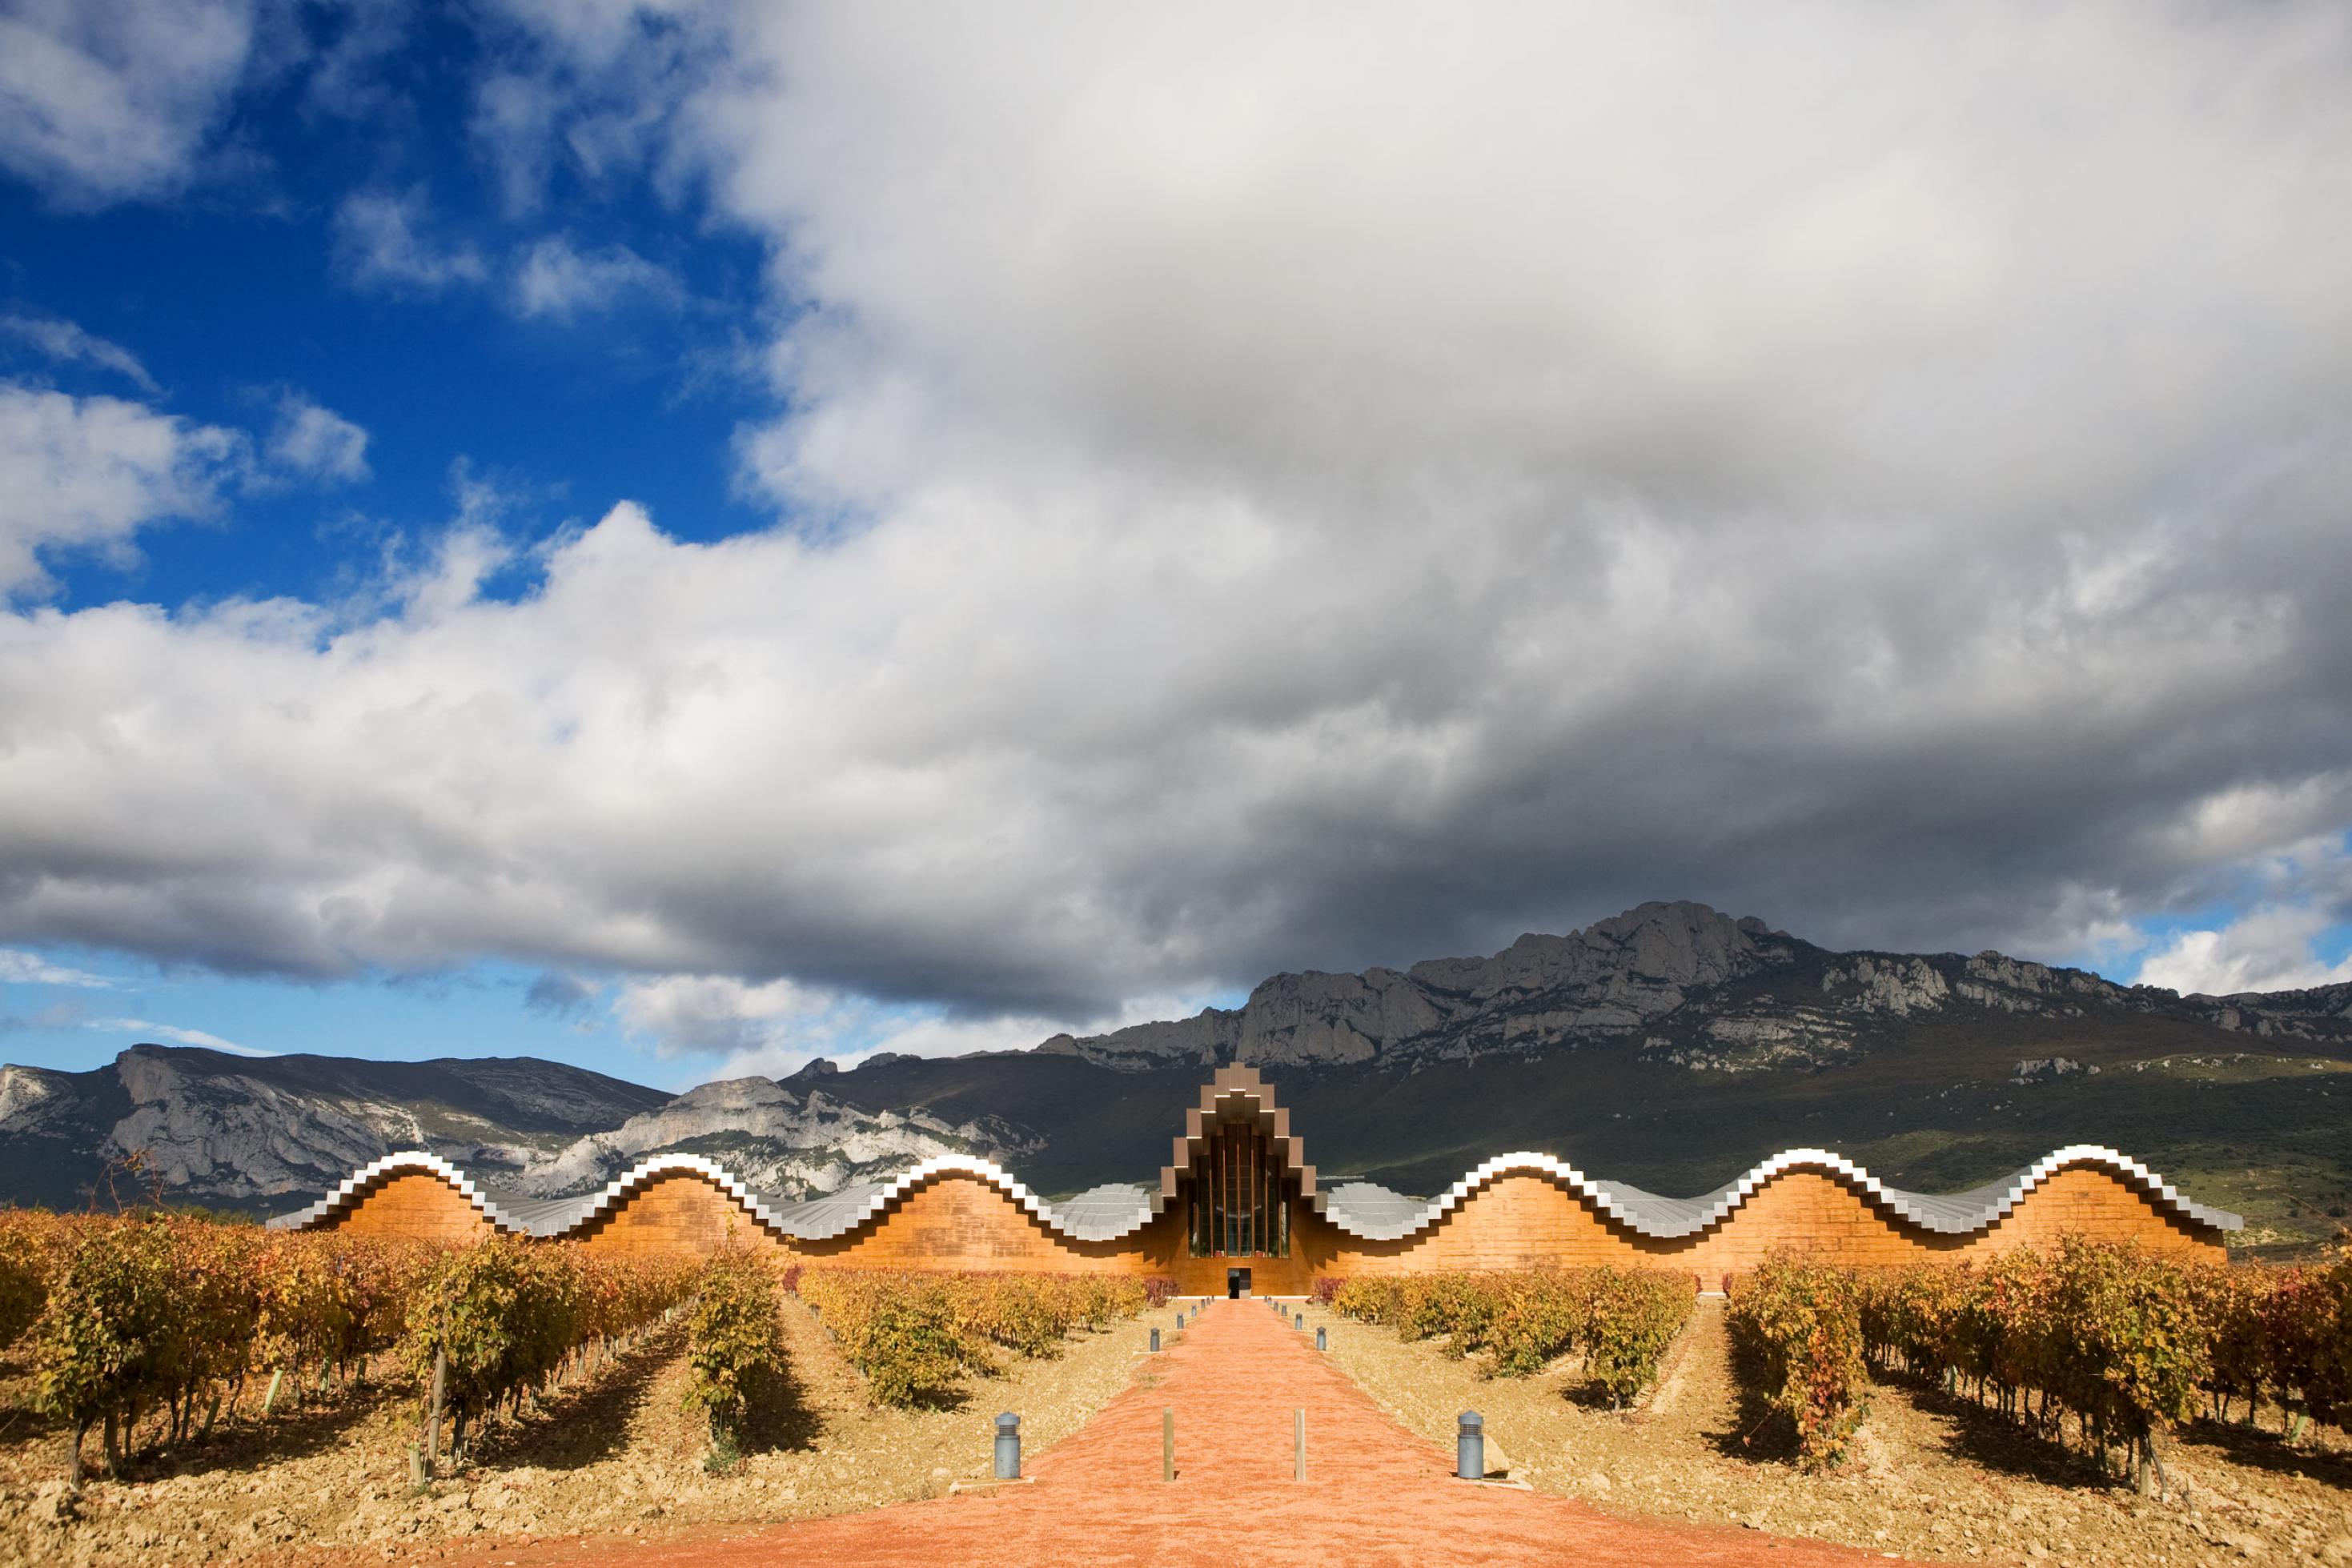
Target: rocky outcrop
(2323, 1013)
(1605, 981)
(249, 1132)
(783, 1143)
(1697, 988)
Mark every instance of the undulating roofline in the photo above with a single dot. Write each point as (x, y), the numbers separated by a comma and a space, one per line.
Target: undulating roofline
(1362, 1209)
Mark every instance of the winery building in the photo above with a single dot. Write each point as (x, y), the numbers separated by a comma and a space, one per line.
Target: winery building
(1237, 1207)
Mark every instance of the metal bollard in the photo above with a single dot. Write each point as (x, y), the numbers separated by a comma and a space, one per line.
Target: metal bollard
(1155, 1341)
(1008, 1447)
(1470, 1446)
(1302, 1322)
(1321, 1341)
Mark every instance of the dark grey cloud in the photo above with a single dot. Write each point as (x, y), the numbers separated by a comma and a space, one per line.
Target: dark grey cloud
(1315, 493)
(559, 995)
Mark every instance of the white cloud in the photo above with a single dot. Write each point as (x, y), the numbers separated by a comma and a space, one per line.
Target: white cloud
(1274, 489)
(88, 473)
(317, 443)
(22, 968)
(2270, 949)
(178, 1036)
(103, 100)
(381, 244)
(62, 339)
(777, 1028)
(556, 280)
(701, 1013)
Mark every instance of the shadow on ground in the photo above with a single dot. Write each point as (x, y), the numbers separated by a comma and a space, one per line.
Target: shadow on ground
(580, 1426)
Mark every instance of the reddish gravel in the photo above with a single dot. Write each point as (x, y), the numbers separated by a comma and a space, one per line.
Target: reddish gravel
(1374, 1493)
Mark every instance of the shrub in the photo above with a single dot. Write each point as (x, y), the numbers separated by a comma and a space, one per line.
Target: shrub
(1797, 1327)
(916, 1335)
(31, 1248)
(105, 1331)
(2122, 1339)
(735, 1343)
(509, 1314)
(1028, 1314)
(503, 1315)
(1630, 1317)
(1538, 1317)
(1621, 1320)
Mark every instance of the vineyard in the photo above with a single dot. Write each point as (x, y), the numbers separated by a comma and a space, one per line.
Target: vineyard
(171, 1350)
(153, 1328)
(149, 1329)
(1620, 1321)
(2117, 1344)
(916, 1336)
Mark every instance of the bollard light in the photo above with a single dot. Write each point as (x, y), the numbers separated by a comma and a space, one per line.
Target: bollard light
(1320, 1341)
(1008, 1447)
(1302, 1322)
(1470, 1446)
(1155, 1341)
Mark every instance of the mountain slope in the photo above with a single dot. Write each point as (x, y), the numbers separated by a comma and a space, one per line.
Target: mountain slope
(1670, 1047)
(261, 1132)
(1698, 987)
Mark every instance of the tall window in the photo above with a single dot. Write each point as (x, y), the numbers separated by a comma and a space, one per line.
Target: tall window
(1237, 1197)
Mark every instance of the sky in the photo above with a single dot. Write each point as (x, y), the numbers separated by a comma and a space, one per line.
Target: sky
(685, 537)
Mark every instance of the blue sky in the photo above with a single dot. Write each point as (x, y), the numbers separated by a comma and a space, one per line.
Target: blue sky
(685, 537)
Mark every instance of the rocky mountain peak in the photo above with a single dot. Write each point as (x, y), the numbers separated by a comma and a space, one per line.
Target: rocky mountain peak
(1542, 990)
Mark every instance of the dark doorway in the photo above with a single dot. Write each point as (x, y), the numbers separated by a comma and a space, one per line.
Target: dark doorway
(1236, 1283)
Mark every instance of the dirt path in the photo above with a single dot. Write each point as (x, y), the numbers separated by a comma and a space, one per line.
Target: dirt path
(1374, 1493)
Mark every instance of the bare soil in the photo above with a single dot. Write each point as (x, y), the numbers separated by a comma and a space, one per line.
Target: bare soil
(1931, 1475)
(1373, 1494)
(1695, 1474)
(615, 1456)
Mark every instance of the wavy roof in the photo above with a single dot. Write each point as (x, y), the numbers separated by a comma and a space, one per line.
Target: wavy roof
(1376, 1214)
(1362, 1209)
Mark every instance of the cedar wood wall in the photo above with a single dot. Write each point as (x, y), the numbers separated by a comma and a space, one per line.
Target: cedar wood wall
(961, 1222)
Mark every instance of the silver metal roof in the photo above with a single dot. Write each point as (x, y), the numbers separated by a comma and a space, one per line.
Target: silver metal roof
(1376, 1214)
(1362, 1209)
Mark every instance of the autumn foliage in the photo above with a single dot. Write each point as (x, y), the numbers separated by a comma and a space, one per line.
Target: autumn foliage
(504, 1319)
(1797, 1332)
(735, 1345)
(1620, 1320)
(164, 1322)
(916, 1335)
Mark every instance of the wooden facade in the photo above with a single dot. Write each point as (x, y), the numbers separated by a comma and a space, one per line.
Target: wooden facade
(1237, 1192)
(417, 1205)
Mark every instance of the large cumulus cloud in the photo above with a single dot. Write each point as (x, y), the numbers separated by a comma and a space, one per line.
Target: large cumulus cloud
(1273, 487)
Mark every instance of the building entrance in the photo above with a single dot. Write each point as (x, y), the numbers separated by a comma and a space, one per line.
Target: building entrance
(1236, 1283)
(1240, 1196)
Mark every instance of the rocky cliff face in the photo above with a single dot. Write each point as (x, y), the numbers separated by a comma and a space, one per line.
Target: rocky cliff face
(1696, 988)
(1605, 981)
(2325, 1013)
(777, 1140)
(263, 1132)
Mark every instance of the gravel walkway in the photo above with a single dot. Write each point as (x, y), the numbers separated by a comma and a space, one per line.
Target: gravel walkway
(1374, 1493)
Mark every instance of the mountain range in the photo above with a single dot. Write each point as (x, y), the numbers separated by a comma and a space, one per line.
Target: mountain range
(1669, 1046)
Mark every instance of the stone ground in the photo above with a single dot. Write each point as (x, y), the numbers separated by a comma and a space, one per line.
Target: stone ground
(1374, 1493)
(1931, 1476)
